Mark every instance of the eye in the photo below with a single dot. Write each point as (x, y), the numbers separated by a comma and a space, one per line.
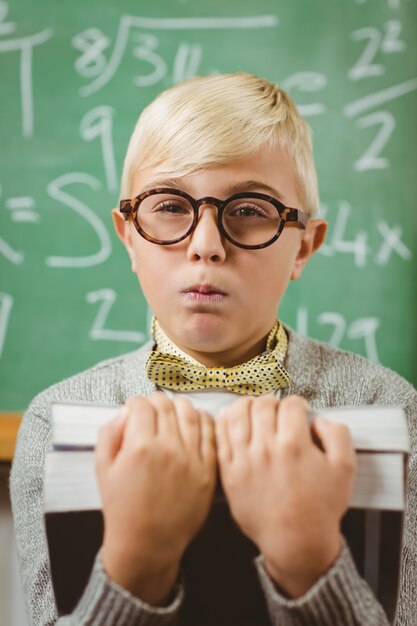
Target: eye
(247, 210)
(172, 207)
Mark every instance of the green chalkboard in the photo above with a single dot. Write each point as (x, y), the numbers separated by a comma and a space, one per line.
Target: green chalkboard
(74, 77)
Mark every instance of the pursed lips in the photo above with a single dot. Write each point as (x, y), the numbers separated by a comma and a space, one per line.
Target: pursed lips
(205, 289)
(205, 295)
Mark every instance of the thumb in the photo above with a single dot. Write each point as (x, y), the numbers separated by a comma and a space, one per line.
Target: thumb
(109, 442)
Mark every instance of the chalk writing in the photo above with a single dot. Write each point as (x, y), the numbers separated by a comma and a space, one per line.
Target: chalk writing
(306, 82)
(93, 43)
(98, 332)
(5, 27)
(392, 4)
(364, 67)
(187, 61)
(391, 243)
(364, 328)
(370, 160)
(97, 123)
(22, 209)
(358, 246)
(6, 303)
(388, 43)
(25, 46)
(13, 256)
(380, 97)
(146, 51)
(56, 192)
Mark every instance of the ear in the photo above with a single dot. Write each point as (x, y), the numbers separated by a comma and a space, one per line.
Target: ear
(124, 232)
(313, 236)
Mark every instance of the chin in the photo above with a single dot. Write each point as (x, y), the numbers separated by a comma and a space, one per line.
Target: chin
(202, 330)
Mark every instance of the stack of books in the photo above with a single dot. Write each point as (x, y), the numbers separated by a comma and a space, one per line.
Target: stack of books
(72, 502)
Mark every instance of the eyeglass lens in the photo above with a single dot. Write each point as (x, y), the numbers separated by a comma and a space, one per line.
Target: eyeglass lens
(250, 221)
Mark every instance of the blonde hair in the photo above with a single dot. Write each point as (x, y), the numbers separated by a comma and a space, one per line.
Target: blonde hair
(213, 120)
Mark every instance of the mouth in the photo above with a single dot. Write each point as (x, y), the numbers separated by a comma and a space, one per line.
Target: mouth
(205, 290)
(204, 294)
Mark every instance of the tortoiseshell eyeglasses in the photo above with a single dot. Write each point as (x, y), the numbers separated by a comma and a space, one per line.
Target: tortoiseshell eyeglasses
(248, 220)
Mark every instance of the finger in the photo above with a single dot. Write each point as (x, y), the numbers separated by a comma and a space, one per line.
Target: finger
(293, 424)
(166, 418)
(224, 449)
(337, 443)
(141, 420)
(109, 442)
(208, 439)
(263, 420)
(188, 420)
(239, 424)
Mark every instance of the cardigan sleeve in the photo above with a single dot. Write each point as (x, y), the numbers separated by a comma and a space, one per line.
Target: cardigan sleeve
(339, 597)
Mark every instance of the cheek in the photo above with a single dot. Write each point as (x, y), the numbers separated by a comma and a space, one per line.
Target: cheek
(153, 267)
(271, 270)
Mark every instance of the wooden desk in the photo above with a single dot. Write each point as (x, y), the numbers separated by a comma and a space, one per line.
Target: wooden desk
(9, 425)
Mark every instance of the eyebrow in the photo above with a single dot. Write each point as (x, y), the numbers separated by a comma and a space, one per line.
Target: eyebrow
(230, 190)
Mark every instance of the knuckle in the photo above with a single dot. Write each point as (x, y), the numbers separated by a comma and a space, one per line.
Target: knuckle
(140, 447)
(156, 453)
(207, 478)
(295, 402)
(260, 454)
(268, 400)
(206, 419)
(343, 431)
(239, 405)
(167, 454)
(157, 394)
(193, 418)
(185, 411)
(348, 464)
(159, 399)
(234, 419)
(238, 419)
(291, 448)
(209, 427)
(183, 403)
(134, 403)
(239, 474)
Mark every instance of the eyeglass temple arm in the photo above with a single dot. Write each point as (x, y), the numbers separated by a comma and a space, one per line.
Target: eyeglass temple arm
(295, 218)
(127, 208)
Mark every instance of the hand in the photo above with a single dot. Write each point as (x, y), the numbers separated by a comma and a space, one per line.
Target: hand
(156, 469)
(286, 493)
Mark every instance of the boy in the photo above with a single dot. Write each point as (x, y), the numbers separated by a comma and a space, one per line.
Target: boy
(217, 213)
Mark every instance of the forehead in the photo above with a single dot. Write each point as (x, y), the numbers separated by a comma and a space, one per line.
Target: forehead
(269, 171)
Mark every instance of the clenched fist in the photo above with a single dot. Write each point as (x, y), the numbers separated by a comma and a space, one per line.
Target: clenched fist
(156, 469)
(286, 493)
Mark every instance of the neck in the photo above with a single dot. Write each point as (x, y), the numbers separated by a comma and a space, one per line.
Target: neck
(227, 358)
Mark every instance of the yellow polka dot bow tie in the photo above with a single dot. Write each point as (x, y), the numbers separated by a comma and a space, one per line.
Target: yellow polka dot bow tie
(173, 369)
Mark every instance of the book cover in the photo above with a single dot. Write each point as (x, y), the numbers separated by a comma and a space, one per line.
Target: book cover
(221, 582)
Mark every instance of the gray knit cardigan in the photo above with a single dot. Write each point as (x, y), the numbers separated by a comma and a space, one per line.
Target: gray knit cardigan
(325, 376)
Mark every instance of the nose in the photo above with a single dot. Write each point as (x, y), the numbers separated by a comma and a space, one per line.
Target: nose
(206, 242)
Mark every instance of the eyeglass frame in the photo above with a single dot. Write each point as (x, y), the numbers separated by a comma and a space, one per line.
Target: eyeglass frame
(289, 217)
